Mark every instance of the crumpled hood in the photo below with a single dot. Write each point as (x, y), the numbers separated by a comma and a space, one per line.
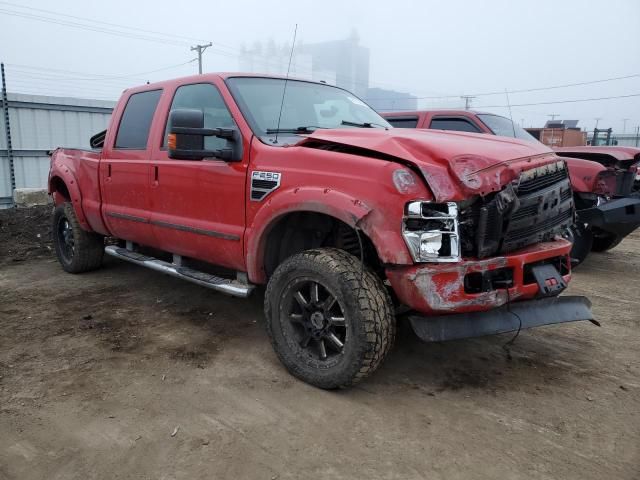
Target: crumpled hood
(454, 164)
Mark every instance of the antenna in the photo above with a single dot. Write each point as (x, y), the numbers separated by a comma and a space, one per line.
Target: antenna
(513, 125)
(286, 79)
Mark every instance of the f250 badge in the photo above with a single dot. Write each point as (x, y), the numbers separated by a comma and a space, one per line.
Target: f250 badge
(263, 183)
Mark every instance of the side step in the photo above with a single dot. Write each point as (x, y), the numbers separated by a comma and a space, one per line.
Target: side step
(230, 287)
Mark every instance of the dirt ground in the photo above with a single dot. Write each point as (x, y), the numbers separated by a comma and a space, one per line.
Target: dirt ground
(97, 371)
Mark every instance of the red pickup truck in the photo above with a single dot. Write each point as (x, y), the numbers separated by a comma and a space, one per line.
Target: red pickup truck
(232, 181)
(604, 179)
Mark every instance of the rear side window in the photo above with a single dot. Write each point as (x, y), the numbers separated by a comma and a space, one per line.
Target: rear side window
(403, 122)
(453, 123)
(135, 124)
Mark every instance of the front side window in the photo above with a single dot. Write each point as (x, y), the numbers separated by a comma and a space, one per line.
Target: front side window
(306, 105)
(403, 122)
(135, 124)
(206, 98)
(453, 123)
(504, 127)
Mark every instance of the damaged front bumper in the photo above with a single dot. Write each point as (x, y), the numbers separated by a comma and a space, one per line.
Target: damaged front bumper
(477, 285)
(620, 216)
(514, 317)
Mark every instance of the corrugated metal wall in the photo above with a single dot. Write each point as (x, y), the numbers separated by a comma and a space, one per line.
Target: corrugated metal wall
(41, 123)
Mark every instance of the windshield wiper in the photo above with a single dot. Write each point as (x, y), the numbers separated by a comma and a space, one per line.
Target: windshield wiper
(362, 125)
(304, 129)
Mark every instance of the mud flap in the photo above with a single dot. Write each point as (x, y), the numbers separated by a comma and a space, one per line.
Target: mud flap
(620, 216)
(519, 315)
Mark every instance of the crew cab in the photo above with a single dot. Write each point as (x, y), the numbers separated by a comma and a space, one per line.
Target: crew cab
(233, 180)
(606, 192)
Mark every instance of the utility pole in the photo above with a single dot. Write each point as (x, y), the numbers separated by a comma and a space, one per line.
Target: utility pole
(7, 129)
(624, 125)
(553, 116)
(597, 119)
(467, 101)
(200, 49)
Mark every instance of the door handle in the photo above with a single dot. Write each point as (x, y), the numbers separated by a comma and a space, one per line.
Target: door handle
(155, 175)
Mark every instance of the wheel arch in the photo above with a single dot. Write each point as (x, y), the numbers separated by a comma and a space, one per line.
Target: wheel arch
(328, 204)
(63, 187)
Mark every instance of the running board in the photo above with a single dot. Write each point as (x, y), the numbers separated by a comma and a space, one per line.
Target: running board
(230, 287)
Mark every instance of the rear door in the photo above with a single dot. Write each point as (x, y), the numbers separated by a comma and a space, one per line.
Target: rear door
(124, 170)
(198, 206)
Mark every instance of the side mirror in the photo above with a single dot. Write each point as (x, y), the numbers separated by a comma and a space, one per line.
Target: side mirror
(186, 138)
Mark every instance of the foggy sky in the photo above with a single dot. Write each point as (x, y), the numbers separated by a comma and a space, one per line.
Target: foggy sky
(426, 48)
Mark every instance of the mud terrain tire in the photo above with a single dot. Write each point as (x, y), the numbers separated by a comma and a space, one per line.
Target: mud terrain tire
(298, 321)
(77, 250)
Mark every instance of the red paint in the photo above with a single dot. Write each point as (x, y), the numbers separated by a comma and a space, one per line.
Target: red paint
(587, 176)
(439, 288)
(146, 190)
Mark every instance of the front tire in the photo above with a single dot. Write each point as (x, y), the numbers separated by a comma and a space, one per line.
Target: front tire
(330, 319)
(77, 250)
(603, 241)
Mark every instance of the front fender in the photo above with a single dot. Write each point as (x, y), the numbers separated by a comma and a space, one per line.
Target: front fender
(583, 174)
(352, 211)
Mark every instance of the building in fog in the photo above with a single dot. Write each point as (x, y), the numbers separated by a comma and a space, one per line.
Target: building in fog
(384, 100)
(274, 59)
(344, 63)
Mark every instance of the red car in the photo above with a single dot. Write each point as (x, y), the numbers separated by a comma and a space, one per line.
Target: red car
(604, 179)
(232, 181)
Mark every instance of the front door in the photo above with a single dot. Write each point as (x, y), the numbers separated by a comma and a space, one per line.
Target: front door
(124, 170)
(198, 206)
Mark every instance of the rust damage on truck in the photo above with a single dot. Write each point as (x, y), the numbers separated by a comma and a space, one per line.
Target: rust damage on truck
(449, 295)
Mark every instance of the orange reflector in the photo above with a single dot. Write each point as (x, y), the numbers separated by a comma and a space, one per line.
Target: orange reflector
(171, 141)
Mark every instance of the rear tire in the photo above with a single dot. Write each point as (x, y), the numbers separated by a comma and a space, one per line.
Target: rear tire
(330, 321)
(603, 241)
(77, 250)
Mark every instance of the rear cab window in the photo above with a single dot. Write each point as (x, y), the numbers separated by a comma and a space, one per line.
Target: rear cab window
(458, 124)
(135, 124)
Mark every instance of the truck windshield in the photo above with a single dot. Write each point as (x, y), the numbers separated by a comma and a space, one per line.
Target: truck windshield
(307, 106)
(504, 127)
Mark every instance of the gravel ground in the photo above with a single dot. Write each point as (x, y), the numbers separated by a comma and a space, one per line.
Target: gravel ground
(125, 373)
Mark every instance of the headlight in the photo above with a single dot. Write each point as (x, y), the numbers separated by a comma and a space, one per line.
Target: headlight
(431, 231)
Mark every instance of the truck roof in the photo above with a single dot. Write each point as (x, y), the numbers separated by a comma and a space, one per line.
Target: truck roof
(210, 76)
(445, 111)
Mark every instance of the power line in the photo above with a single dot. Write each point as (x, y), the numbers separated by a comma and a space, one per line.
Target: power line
(524, 90)
(97, 75)
(96, 28)
(540, 103)
(165, 40)
(155, 32)
(91, 28)
(563, 101)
